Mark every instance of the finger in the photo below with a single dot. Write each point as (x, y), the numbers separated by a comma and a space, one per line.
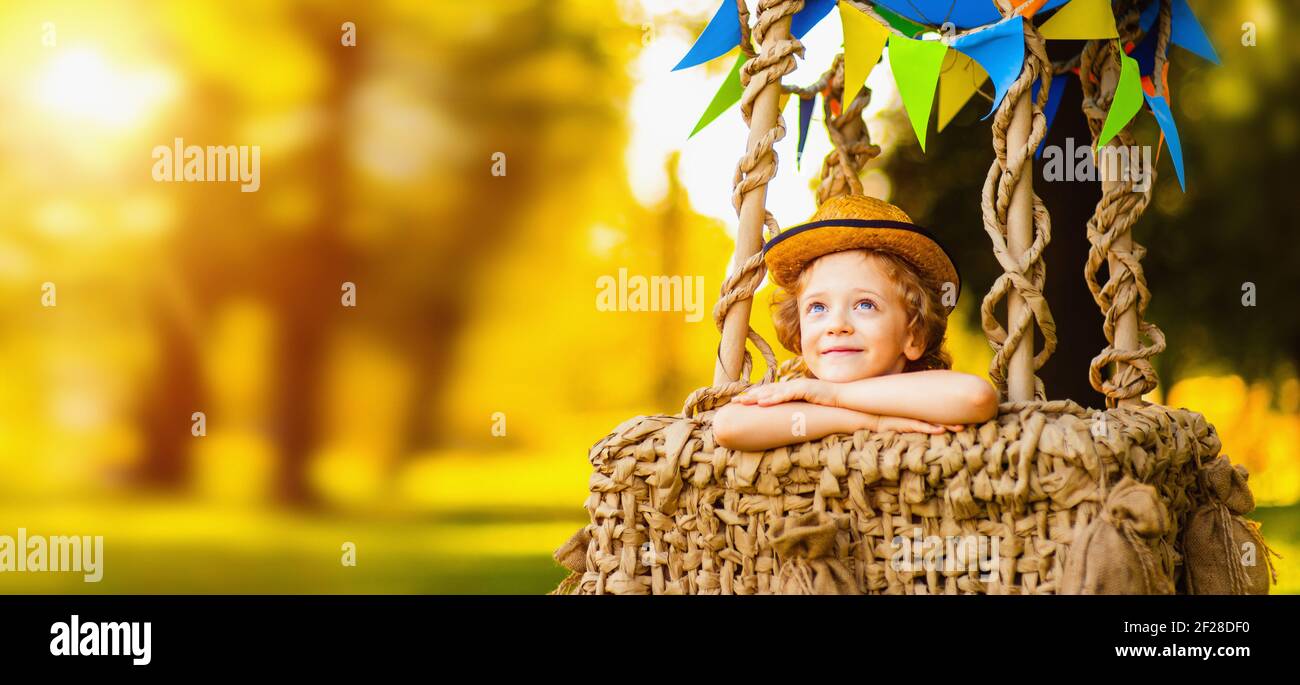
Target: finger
(956, 427)
(927, 427)
(917, 426)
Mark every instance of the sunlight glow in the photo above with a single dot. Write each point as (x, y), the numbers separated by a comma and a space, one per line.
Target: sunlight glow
(81, 85)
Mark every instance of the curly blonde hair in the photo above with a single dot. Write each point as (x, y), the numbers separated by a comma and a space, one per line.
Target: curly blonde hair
(925, 310)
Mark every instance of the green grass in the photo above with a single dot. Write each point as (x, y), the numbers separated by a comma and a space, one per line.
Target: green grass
(162, 548)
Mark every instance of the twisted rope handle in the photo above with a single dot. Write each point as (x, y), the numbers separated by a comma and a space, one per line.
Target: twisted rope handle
(851, 143)
(1026, 273)
(1124, 298)
(761, 78)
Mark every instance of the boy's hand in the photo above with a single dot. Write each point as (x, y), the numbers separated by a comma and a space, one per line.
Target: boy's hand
(813, 390)
(898, 424)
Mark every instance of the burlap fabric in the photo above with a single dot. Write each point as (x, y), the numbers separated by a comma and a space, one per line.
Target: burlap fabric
(1226, 555)
(1077, 500)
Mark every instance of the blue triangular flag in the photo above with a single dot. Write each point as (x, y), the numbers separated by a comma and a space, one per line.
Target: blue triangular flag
(1000, 50)
(964, 14)
(1160, 108)
(1145, 54)
(719, 37)
(1184, 29)
(813, 11)
(805, 118)
(723, 31)
(1054, 93)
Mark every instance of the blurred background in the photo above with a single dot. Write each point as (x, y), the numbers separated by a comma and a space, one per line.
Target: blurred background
(441, 424)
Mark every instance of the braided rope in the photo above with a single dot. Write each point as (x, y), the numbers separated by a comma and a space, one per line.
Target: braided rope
(852, 148)
(753, 172)
(1028, 273)
(1118, 210)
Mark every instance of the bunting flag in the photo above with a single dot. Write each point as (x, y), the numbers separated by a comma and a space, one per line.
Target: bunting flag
(964, 14)
(1160, 108)
(718, 38)
(864, 40)
(802, 22)
(1000, 51)
(1184, 30)
(1128, 100)
(728, 94)
(906, 27)
(1054, 93)
(916, 65)
(805, 118)
(722, 33)
(1145, 53)
(1081, 20)
(958, 81)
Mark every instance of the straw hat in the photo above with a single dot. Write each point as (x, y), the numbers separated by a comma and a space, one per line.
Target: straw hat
(850, 222)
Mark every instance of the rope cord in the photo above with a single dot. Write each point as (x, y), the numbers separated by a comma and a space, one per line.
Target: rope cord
(1027, 274)
(1120, 207)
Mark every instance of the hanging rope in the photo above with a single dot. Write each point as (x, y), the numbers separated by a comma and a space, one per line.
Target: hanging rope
(1027, 274)
(754, 170)
(851, 141)
(1120, 207)
(851, 147)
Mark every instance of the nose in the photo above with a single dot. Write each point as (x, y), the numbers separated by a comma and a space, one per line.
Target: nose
(839, 323)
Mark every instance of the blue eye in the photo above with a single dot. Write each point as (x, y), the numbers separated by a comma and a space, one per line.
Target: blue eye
(873, 304)
(812, 308)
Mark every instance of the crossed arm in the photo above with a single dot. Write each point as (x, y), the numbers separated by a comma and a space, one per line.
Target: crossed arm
(799, 410)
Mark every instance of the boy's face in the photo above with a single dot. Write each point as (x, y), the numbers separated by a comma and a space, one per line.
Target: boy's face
(852, 322)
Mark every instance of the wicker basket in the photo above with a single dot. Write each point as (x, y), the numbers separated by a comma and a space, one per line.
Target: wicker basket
(673, 513)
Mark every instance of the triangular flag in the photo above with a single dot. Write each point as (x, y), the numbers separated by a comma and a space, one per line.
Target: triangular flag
(1184, 29)
(723, 31)
(1145, 53)
(1164, 117)
(1054, 93)
(1081, 20)
(718, 38)
(958, 81)
(728, 94)
(864, 40)
(813, 11)
(1128, 100)
(805, 118)
(916, 65)
(899, 23)
(1029, 9)
(964, 14)
(1000, 50)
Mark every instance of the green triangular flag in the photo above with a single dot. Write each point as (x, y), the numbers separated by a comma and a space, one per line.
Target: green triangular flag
(1127, 102)
(897, 21)
(728, 94)
(916, 65)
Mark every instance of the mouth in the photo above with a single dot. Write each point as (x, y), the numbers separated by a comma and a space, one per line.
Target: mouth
(841, 351)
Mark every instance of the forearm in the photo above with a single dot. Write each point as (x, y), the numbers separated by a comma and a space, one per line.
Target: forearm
(753, 428)
(939, 396)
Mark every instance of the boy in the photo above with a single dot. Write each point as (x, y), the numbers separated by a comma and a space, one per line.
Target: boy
(861, 303)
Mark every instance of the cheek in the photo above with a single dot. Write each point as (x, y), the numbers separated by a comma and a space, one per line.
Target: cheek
(807, 334)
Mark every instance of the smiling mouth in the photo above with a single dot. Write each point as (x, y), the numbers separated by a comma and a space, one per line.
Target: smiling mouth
(841, 351)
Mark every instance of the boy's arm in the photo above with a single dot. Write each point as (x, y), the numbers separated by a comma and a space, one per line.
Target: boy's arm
(937, 396)
(752, 428)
